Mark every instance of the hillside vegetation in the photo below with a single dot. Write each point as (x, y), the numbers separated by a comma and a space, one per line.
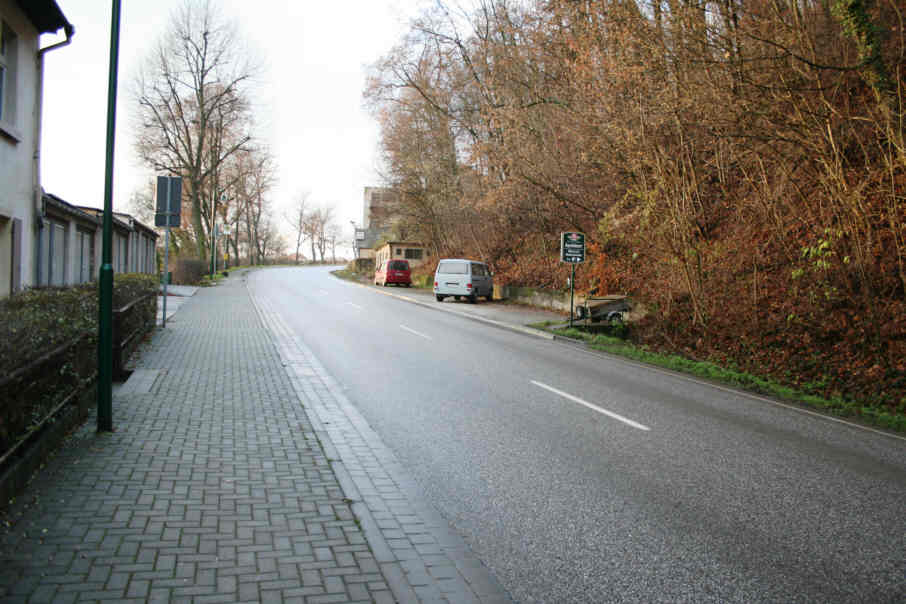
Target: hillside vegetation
(737, 166)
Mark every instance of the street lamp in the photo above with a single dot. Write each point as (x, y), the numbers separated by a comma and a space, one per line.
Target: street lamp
(105, 274)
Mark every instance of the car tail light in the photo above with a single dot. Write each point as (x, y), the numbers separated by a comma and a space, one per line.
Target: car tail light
(468, 286)
(435, 284)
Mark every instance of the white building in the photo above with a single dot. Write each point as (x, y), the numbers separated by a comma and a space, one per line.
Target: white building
(23, 224)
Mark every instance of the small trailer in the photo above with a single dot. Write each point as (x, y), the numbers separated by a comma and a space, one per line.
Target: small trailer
(595, 309)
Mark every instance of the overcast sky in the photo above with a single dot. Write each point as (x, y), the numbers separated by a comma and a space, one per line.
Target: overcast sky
(315, 53)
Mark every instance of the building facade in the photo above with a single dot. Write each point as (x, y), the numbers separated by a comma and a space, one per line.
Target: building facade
(379, 205)
(414, 252)
(70, 244)
(379, 208)
(134, 243)
(22, 210)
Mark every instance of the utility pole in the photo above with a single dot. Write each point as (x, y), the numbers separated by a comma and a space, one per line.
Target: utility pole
(105, 277)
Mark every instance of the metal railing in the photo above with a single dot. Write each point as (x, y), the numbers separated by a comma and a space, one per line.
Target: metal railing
(126, 334)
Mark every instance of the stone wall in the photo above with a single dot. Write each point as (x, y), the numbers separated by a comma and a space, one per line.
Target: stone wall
(554, 299)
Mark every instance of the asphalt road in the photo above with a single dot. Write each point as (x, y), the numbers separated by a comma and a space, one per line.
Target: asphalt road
(580, 478)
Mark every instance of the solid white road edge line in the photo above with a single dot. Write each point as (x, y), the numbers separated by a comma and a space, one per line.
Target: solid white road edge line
(356, 306)
(415, 332)
(576, 399)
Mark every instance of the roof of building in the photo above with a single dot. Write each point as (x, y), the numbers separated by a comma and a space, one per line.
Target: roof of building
(45, 15)
(117, 222)
(408, 243)
(125, 221)
(136, 223)
(67, 208)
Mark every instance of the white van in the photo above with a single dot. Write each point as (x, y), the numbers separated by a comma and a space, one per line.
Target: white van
(462, 278)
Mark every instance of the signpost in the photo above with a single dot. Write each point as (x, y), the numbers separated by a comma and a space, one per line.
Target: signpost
(359, 237)
(169, 204)
(572, 251)
(226, 230)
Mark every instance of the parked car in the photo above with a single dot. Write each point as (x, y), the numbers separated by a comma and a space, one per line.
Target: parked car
(462, 278)
(393, 271)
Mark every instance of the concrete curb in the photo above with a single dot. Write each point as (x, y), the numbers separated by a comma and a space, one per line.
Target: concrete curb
(501, 324)
(408, 538)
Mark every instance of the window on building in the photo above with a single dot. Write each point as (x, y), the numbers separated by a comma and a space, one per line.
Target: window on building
(15, 275)
(85, 260)
(58, 255)
(52, 259)
(413, 253)
(121, 262)
(8, 48)
(92, 257)
(43, 263)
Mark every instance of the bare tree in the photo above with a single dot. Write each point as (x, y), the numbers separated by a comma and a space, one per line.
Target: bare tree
(193, 110)
(296, 218)
(310, 228)
(258, 176)
(318, 229)
(142, 202)
(334, 232)
(325, 218)
(268, 241)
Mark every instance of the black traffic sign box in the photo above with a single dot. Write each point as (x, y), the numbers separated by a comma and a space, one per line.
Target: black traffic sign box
(169, 201)
(572, 247)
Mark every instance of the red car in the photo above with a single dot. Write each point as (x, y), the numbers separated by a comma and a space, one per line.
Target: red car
(393, 271)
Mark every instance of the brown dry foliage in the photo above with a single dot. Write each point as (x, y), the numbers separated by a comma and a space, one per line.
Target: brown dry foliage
(738, 167)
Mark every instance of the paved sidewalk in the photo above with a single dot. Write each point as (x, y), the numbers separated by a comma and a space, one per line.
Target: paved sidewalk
(218, 486)
(177, 295)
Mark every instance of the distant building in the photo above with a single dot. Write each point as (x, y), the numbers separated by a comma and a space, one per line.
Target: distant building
(378, 219)
(379, 207)
(401, 250)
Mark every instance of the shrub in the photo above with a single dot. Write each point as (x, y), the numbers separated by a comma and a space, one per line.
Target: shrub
(131, 286)
(37, 321)
(50, 348)
(189, 271)
(363, 266)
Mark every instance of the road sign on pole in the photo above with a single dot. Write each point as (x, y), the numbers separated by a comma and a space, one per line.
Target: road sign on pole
(169, 201)
(572, 247)
(572, 251)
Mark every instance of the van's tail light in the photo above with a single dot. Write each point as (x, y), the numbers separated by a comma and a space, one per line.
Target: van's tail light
(468, 286)
(435, 284)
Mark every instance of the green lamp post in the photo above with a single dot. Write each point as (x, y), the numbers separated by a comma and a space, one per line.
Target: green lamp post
(105, 278)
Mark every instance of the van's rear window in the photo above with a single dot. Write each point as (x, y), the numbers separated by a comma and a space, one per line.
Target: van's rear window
(453, 268)
(399, 265)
